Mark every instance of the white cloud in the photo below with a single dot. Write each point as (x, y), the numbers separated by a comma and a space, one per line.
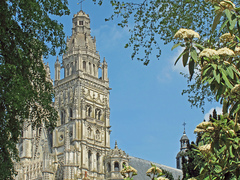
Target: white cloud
(218, 109)
(165, 75)
(110, 36)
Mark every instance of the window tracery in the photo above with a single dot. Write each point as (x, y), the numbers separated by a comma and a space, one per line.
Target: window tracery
(97, 135)
(98, 114)
(89, 130)
(116, 166)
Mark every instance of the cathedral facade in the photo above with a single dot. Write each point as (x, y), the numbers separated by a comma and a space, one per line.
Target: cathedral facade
(80, 143)
(79, 146)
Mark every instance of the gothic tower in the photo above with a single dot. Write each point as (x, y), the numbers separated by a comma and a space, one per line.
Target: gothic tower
(82, 136)
(184, 142)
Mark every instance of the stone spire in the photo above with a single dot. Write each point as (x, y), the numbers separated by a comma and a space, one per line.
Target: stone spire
(104, 70)
(57, 66)
(184, 141)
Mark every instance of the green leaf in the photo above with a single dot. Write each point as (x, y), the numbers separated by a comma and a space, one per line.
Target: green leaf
(223, 25)
(214, 66)
(216, 76)
(230, 72)
(216, 20)
(179, 57)
(207, 71)
(185, 57)
(231, 152)
(176, 45)
(199, 46)
(229, 85)
(232, 24)
(222, 149)
(217, 169)
(228, 14)
(193, 54)
(237, 9)
(191, 68)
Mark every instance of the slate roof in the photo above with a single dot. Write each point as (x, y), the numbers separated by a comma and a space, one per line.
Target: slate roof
(142, 166)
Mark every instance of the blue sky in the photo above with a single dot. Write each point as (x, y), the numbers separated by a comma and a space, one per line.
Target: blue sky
(147, 108)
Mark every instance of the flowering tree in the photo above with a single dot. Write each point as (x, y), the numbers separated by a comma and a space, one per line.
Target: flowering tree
(217, 63)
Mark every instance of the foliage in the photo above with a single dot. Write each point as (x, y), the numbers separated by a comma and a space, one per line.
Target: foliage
(191, 162)
(149, 21)
(25, 94)
(218, 61)
(197, 92)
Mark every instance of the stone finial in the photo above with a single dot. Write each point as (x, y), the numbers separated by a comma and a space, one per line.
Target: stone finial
(104, 61)
(116, 146)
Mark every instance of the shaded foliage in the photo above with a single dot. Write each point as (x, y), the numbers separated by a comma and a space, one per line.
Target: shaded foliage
(25, 93)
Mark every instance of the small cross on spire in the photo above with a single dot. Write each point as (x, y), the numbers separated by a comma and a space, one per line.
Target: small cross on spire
(81, 4)
(184, 124)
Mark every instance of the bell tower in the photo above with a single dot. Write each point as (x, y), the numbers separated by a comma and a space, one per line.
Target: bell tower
(82, 136)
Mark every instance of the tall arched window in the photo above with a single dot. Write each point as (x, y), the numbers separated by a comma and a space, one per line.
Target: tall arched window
(116, 166)
(98, 114)
(84, 66)
(90, 68)
(89, 132)
(71, 68)
(98, 162)
(62, 117)
(108, 167)
(89, 110)
(70, 113)
(89, 160)
(68, 70)
(97, 135)
(94, 69)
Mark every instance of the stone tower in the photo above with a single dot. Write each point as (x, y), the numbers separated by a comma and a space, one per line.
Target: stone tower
(82, 136)
(184, 142)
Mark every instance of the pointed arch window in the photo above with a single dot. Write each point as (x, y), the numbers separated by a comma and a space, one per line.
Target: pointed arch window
(89, 130)
(98, 162)
(98, 114)
(70, 113)
(62, 117)
(94, 70)
(108, 167)
(97, 135)
(116, 166)
(80, 23)
(89, 160)
(71, 68)
(90, 68)
(84, 66)
(89, 110)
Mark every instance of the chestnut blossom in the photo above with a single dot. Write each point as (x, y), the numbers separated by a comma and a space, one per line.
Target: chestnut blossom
(227, 4)
(186, 33)
(225, 52)
(205, 148)
(208, 53)
(227, 37)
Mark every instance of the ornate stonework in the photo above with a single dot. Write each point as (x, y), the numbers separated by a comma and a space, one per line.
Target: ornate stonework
(81, 141)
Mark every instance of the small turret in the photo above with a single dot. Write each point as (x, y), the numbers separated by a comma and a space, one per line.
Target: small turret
(104, 70)
(57, 70)
(184, 141)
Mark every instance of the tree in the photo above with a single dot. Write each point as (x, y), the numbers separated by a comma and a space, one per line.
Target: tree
(218, 61)
(211, 45)
(26, 30)
(156, 21)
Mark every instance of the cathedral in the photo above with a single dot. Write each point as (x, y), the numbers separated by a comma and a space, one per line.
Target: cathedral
(79, 147)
